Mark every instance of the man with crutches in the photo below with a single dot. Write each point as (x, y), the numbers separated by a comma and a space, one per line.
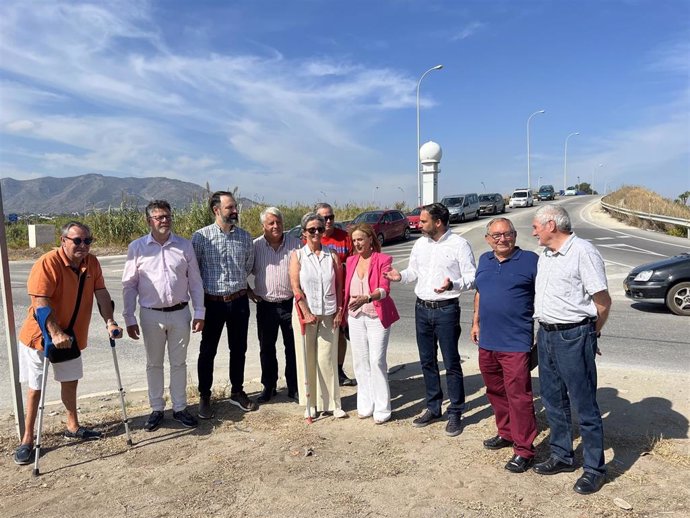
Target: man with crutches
(66, 281)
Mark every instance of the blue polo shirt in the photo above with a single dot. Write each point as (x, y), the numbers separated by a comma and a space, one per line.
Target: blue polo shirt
(506, 301)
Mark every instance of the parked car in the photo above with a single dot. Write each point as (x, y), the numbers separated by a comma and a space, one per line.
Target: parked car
(521, 198)
(388, 224)
(668, 279)
(546, 193)
(413, 220)
(462, 206)
(570, 191)
(491, 204)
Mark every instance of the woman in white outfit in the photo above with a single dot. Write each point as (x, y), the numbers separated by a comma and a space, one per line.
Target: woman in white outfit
(316, 278)
(370, 312)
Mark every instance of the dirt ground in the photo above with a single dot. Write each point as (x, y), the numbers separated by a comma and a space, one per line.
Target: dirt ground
(271, 463)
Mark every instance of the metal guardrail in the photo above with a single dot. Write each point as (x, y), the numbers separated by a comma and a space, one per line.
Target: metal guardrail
(657, 218)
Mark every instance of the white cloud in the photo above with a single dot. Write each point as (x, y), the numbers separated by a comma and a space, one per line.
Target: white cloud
(469, 30)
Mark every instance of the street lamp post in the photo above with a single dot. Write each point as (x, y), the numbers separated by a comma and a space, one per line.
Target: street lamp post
(484, 186)
(529, 179)
(419, 167)
(373, 195)
(539, 182)
(591, 185)
(565, 161)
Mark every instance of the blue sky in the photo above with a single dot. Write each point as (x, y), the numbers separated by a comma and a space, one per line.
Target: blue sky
(303, 100)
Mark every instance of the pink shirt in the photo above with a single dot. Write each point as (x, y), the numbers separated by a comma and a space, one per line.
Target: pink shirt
(359, 286)
(161, 276)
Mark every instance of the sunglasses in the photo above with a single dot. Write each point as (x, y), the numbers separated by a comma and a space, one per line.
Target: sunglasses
(329, 218)
(314, 230)
(164, 217)
(78, 241)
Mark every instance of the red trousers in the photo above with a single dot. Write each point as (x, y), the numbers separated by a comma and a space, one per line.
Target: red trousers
(509, 389)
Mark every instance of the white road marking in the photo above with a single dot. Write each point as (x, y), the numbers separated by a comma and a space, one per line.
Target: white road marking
(630, 248)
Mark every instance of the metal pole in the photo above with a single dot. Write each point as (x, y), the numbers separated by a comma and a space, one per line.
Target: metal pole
(565, 162)
(529, 179)
(419, 163)
(11, 337)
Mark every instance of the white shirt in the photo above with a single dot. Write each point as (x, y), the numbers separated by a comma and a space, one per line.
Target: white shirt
(161, 276)
(432, 262)
(317, 279)
(566, 280)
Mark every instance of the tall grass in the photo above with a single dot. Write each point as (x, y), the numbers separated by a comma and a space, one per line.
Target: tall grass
(118, 226)
(640, 199)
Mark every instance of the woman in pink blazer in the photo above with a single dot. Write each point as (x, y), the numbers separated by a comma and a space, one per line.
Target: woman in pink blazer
(369, 312)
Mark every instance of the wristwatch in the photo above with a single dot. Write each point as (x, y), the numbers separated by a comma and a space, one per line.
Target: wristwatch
(369, 299)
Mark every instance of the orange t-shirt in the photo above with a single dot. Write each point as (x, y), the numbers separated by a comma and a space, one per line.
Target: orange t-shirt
(52, 277)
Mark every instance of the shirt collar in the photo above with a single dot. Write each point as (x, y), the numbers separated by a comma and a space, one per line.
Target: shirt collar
(565, 247)
(445, 236)
(150, 239)
(515, 256)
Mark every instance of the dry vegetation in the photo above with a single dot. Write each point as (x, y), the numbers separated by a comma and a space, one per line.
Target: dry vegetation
(643, 200)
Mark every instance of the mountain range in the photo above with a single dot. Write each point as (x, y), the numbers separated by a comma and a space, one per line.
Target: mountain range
(50, 195)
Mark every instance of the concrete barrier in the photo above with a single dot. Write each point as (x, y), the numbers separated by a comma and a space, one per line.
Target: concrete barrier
(41, 235)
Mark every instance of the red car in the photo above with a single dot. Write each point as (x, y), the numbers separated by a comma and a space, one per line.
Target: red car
(388, 224)
(413, 220)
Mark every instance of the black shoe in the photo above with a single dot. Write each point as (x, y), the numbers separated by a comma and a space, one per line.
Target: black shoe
(24, 454)
(426, 418)
(453, 426)
(293, 396)
(240, 399)
(519, 464)
(154, 421)
(553, 466)
(85, 434)
(266, 395)
(496, 443)
(589, 483)
(205, 409)
(187, 419)
(344, 381)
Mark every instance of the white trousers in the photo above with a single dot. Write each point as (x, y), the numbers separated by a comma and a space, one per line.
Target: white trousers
(369, 341)
(321, 369)
(173, 328)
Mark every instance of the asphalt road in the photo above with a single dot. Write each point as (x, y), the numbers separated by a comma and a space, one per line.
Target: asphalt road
(637, 335)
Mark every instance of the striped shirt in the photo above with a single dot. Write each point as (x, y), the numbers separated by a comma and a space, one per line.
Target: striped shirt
(272, 268)
(225, 259)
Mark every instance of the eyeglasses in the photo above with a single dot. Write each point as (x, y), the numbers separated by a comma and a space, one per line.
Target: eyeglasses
(164, 217)
(329, 218)
(78, 241)
(314, 230)
(498, 235)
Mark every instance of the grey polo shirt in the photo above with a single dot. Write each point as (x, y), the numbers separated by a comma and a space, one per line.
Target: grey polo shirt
(566, 280)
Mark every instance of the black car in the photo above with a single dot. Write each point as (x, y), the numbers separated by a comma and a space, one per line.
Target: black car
(668, 279)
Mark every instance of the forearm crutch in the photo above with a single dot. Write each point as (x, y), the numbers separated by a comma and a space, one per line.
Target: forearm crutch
(41, 315)
(121, 391)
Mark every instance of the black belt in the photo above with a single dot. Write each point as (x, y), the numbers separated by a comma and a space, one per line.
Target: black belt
(435, 304)
(563, 327)
(226, 298)
(176, 307)
(275, 302)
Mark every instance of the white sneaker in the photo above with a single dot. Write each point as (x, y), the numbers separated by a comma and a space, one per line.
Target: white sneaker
(339, 413)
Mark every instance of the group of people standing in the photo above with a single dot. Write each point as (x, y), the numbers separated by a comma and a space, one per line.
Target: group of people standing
(337, 281)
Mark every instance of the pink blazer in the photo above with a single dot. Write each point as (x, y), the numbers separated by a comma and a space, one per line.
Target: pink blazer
(385, 308)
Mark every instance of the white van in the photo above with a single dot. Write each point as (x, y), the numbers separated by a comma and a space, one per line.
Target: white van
(521, 198)
(462, 206)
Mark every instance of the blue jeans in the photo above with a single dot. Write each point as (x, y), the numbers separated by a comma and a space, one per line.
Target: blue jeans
(440, 327)
(568, 375)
